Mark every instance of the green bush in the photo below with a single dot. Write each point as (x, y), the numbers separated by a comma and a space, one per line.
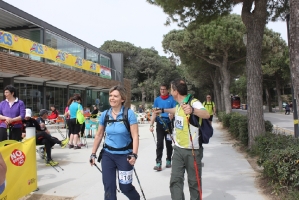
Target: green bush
(268, 126)
(243, 130)
(234, 124)
(279, 157)
(225, 120)
(282, 166)
(220, 116)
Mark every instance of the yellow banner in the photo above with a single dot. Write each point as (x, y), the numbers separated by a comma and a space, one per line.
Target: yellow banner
(21, 175)
(16, 43)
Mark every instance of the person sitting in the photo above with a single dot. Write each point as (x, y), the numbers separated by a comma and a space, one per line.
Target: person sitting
(54, 114)
(43, 136)
(95, 112)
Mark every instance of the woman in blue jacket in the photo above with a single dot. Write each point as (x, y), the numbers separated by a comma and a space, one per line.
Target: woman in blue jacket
(119, 143)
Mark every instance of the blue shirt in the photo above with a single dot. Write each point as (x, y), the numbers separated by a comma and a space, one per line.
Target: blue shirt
(73, 109)
(117, 135)
(167, 103)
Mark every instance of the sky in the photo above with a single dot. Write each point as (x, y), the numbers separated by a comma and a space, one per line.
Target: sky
(96, 21)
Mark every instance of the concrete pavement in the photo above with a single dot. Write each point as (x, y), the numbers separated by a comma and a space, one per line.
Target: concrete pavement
(226, 173)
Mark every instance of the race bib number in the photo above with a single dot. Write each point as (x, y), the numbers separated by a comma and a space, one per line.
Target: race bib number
(125, 177)
(179, 122)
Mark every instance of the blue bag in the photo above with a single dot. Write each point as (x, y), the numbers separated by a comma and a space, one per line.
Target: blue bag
(205, 129)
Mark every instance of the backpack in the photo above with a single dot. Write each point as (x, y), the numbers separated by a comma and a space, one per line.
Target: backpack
(79, 116)
(126, 123)
(205, 103)
(205, 129)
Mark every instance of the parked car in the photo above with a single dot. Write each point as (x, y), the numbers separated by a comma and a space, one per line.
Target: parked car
(284, 104)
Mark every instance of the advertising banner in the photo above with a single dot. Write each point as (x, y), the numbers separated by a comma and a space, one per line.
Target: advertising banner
(21, 174)
(105, 72)
(16, 43)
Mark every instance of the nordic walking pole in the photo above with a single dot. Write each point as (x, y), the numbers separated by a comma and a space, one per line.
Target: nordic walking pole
(154, 137)
(139, 183)
(102, 172)
(194, 161)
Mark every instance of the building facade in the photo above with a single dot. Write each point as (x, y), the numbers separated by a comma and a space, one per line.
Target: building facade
(48, 65)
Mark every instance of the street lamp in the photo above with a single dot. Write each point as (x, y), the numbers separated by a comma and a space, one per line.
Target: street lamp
(295, 114)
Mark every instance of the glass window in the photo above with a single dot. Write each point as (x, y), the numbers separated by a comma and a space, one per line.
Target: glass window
(57, 42)
(31, 95)
(105, 61)
(92, 56)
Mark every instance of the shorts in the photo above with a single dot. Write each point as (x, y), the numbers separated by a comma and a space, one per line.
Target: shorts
(74, 126)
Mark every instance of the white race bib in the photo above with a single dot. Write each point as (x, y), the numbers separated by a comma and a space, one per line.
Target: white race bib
(125, 177)
(179, 122)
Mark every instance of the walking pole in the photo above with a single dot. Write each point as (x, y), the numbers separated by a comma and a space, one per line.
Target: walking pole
(102, 172)
(139, 183)
(154, 137)
(194, 161)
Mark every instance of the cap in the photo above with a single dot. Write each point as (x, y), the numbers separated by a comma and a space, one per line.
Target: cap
(42, 112)
(28, 112)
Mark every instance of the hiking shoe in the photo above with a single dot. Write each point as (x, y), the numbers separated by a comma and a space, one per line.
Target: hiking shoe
(89, 136)
(168, 164)
(77, 147)
(158, 167)
(71, 146)
(64, 142)
(51, 163)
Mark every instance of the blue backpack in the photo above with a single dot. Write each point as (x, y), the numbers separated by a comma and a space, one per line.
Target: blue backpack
(205, 129)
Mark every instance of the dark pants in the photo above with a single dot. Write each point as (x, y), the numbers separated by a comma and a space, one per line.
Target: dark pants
(287, 112)
(112, 163)
(14, 134)
(82, 129)
(161, 136)
(43, 138)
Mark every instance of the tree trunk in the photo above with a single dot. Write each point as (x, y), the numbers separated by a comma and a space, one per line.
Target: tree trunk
(294, 48)
(155, 93)
(255, 22)
(226, 83)
(143, 96)
(268, 99)
(221, 97)
(278, 92)
(217, 90)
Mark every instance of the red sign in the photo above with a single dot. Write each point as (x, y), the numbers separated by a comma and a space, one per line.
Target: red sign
(17, 157)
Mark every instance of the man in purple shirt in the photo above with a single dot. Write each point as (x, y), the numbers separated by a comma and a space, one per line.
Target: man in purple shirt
(12, 112)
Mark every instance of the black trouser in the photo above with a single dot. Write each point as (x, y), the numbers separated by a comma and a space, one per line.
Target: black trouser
(47, 140)
(14, 134)
(161, 136)
(82, 129)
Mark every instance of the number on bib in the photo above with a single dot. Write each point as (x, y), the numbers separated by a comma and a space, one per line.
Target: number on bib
(125, 177)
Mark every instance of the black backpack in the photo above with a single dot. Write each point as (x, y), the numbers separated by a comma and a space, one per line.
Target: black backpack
(126, 123)
(205, 129)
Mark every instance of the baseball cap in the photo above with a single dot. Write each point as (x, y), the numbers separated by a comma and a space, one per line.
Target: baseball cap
(28, 112)
(42, 112)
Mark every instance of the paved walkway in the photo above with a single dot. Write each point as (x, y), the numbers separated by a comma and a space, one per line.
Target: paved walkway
(226, 173)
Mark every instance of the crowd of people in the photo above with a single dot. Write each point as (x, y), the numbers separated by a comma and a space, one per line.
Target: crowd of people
(15, 118)
(118, 129)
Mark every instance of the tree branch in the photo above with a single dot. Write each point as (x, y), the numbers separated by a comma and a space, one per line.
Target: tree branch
(235, 61)
(217, 64)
